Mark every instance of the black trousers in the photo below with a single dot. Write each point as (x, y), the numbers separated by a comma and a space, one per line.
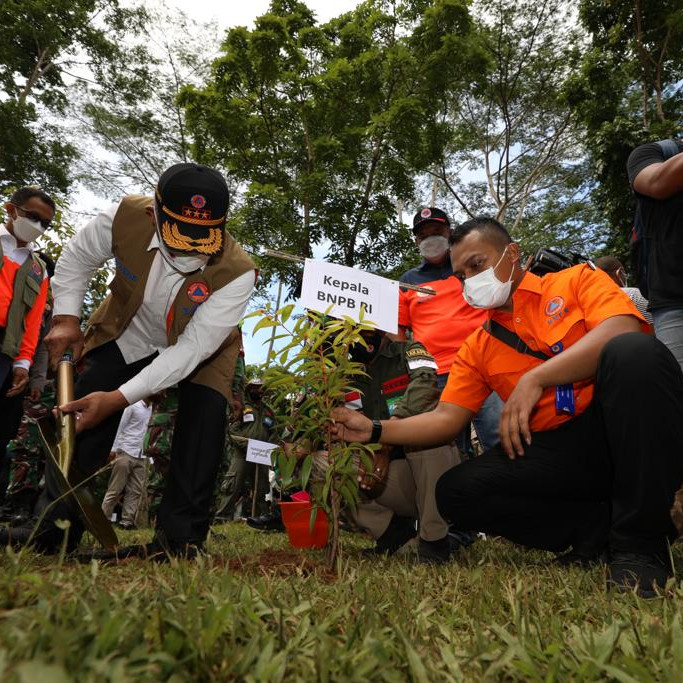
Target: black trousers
(609, 475)
(196, 449)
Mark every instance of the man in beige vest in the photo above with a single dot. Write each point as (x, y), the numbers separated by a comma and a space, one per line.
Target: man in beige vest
(180, 288)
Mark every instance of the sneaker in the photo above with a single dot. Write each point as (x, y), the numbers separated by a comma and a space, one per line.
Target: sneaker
(397, 534)
(434, 552)
(269, 522)
(646, 573)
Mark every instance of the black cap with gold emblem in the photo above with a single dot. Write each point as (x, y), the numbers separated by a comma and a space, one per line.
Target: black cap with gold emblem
(192, 202)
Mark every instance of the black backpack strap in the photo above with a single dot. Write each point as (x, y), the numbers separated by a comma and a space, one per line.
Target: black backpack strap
(501, 333)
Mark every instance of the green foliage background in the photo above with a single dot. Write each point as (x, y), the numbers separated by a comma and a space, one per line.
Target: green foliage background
(332, 133)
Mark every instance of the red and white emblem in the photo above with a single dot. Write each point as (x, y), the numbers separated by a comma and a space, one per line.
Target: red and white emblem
(36, 269)
(425, 213)
(197, 292)
(353, 400)
(554, 306)
(198, 201)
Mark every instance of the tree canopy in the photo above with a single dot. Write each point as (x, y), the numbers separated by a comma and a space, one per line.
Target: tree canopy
(332, 133)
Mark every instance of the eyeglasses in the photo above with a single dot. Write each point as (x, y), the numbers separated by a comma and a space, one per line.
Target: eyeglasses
(33, 216)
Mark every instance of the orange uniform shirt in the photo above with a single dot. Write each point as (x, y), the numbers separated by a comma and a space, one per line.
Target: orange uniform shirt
(550, 314)
(441, 322)
(34, 317)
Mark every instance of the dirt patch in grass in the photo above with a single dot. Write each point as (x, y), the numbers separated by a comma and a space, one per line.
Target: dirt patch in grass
(279, 563)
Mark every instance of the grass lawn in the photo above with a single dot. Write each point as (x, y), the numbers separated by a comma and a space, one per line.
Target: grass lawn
(495, 613)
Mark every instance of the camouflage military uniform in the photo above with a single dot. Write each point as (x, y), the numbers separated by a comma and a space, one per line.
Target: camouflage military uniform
(27, 458)
(157, 447)
(401, 382)
(256, 422)
(235, 411)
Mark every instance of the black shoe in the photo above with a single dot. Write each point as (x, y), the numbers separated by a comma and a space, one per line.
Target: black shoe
(434, 552)
(7, 513)
(46, 538)
(576, 558)
(646, 573)
(126, 526)
(156, 551)
(461, 539)
(269, 522)
(398, 533)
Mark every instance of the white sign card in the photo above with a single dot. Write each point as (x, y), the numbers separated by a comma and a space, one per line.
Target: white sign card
(259, 451)
(348, 291)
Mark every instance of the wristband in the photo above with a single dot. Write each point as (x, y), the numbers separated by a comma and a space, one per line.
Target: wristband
(376, 433)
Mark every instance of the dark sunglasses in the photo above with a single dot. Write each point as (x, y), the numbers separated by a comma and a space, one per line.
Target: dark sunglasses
(33, 216)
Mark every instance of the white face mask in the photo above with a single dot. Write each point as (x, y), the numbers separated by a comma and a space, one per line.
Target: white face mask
(26, 230)
(183, 264)
(485, 290)
(433, 248)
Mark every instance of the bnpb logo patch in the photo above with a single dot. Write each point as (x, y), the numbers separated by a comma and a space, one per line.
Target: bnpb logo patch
(198, 201)
(554, 306)
(425, 213)
(197, 292)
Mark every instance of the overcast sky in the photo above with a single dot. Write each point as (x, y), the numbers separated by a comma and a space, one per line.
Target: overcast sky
(243, 12)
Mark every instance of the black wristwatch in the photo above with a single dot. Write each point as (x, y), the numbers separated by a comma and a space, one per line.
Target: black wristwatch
(376, 434)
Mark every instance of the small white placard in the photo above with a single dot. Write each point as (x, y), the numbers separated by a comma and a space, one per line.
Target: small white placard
(259, 451)
(348, 291)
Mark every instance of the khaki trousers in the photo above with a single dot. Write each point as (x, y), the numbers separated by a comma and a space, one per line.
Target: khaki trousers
(409, 492)
(127, 473)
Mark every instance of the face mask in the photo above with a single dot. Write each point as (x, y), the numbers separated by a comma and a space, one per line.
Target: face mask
(26, 230)
(361, 354)
(621, 275)
(183, 264)
(485, 290)
(433, 248)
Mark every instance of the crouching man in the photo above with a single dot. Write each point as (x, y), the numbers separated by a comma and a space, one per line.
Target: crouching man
(400, 382)
(592, 428)
(180, 289)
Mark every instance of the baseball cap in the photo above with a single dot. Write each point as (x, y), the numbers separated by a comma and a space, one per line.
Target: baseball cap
(192, 202)
(429, 215)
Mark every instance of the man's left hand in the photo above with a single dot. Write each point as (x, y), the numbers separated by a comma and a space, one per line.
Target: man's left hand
(514, 420)
(93, 408)
(19, 382)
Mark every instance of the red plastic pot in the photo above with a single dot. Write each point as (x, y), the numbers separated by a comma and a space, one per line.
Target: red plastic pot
(297, 519)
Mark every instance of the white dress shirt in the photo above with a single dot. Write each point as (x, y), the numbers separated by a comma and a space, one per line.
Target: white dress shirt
(639, 301)
(208, 328)
(18, 255)
(131, 433)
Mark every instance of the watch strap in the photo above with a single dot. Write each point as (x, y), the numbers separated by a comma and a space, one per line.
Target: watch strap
(376, 434)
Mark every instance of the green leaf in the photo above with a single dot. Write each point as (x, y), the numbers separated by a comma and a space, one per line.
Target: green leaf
(306, 470)
(265, 322)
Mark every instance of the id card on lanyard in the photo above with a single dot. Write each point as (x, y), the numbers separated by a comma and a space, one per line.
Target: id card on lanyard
(564, 393)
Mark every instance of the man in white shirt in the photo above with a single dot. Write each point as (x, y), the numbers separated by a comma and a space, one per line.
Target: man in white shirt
(180, 288)
(128, 469)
